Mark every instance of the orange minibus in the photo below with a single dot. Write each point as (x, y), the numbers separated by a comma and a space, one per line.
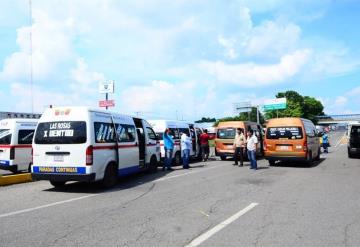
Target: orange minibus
(291, 139)
(225, 135)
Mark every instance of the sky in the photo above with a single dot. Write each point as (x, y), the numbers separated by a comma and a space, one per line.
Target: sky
(179, 59)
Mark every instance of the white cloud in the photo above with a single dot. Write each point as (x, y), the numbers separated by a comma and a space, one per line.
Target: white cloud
(255, 75)
(85, 81)
(52, 46)
(333, 61)
(272, 39)
(341, 101)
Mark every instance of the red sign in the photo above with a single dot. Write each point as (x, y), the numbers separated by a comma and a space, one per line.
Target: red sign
(107, 103)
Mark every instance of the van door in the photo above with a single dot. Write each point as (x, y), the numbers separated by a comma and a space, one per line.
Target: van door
(23, 152)
(142, 141)
(61, 144)
(128, 148)
(151, 143)
(5, 141)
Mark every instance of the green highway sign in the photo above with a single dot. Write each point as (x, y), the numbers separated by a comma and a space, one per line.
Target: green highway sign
(275, 104)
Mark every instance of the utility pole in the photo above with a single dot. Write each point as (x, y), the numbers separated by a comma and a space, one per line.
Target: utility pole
(31, 58)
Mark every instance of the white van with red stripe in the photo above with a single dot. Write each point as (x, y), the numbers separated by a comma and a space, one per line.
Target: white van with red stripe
(176, 128)
(81, 144)
(16, 136)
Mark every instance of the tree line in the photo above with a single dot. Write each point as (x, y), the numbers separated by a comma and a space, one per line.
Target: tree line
(297, 106)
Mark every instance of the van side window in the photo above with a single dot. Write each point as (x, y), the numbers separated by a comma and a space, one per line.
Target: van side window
(125, 133)
(104, 132)
(184, 130)
(151, 133)
(5, 136)
(175, 133)
(309, 129)
(25, 136)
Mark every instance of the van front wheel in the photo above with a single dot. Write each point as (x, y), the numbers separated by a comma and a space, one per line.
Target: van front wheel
(177, 159)
(153, 165)
(57, 184)
(110, 176)
(223, 158)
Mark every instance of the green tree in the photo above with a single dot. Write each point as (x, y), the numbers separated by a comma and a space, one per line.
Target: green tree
(244, 116)
(298, 106)
(206, 120)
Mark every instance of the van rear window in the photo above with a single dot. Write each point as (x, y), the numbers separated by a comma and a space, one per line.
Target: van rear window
(228, 133)
(5, 136)
(66, 132)
(355, 131)
(284, 133)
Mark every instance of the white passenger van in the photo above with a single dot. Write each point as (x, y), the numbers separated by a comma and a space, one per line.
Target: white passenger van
(16, 136)
(81, 144)
(177, 127)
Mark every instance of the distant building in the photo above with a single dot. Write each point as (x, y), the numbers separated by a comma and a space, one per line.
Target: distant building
(18, 115)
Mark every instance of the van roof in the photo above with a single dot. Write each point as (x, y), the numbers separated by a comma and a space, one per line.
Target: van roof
(288, 121)
(161, 124)
(12, 122)
(236, 124)
(75, 112)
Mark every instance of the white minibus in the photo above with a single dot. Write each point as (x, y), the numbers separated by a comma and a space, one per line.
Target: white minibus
(82, 144)
(177, 127)
(16, 136)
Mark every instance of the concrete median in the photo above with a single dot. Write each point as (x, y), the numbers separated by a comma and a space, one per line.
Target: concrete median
(15, 179)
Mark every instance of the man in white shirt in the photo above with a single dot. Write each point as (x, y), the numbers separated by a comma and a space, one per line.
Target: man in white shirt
(186, 144)
(251, 144)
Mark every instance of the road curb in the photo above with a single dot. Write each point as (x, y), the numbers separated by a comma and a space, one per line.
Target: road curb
(15, 179)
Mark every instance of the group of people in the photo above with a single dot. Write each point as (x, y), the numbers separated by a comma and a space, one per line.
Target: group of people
(249, 142)
(186, 146)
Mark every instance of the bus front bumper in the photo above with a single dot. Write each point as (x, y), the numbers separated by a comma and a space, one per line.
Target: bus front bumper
(64, 177)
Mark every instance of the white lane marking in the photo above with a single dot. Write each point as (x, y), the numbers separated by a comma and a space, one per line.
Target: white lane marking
(203, 237)
(88, 196)
(45, 206)
(187, 173)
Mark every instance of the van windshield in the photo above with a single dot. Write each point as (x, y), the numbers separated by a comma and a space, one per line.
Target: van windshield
(66, 132)
(284, 133)
(355, 131)
(228, 133)
(5, 136)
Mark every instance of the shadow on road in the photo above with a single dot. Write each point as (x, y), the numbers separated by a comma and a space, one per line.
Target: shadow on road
(126, 182)
(295, 164)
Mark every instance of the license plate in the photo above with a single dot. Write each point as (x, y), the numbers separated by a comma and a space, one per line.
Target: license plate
(58, 158)
(283, 148)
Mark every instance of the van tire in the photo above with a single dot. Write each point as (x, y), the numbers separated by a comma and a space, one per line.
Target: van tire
(153, 165)
(177, 159)
(317, 158)
(272, 162)
(110, 176)
(29, 168)
(58, 184)
(223, 158)
(309, 159)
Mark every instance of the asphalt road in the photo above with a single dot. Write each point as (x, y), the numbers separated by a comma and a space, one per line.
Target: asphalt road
(213, 204)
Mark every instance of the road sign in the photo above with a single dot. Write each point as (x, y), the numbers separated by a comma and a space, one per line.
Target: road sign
(242, 107)
(275, 104)
(107, 103)
(106, 86)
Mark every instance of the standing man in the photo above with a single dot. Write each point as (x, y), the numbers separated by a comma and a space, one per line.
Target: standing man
(204, 143)
(252, 142)
(169, 148)
(239, 146)
(325, 142)
(186, 143)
